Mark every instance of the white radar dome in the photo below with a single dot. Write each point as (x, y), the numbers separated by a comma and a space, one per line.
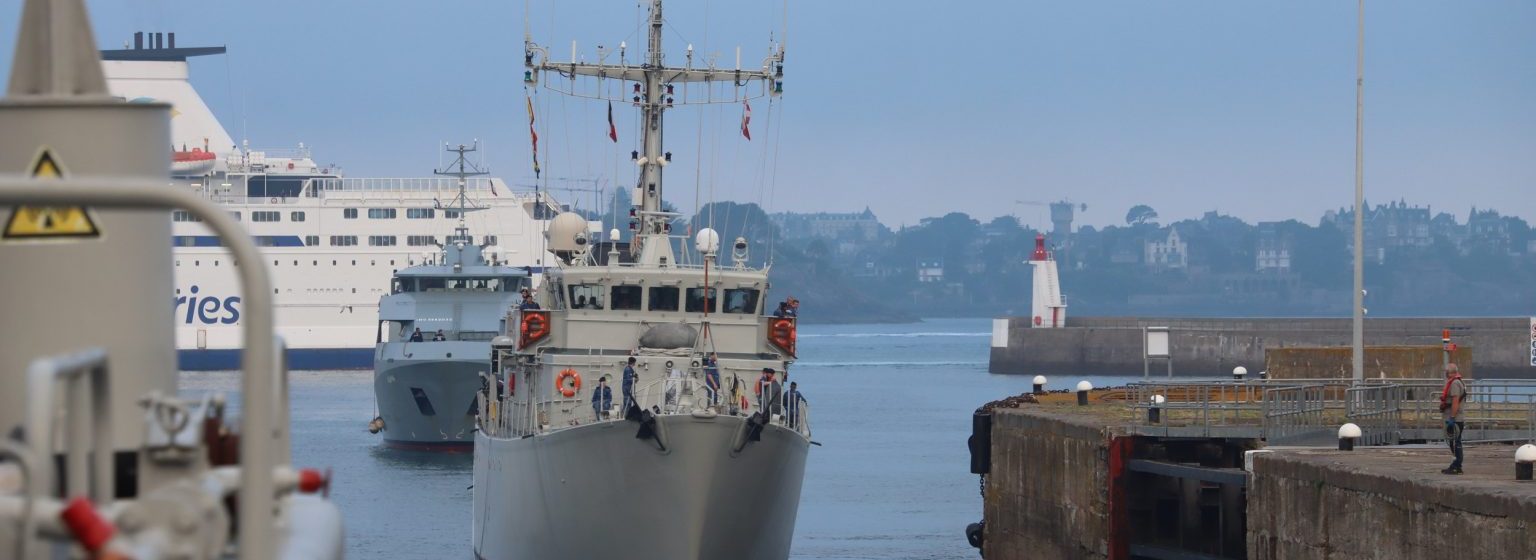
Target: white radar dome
(567, 232)
(613, 234)
(707, 241)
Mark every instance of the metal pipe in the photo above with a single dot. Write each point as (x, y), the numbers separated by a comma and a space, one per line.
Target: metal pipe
(257, 538)
(1357, 355)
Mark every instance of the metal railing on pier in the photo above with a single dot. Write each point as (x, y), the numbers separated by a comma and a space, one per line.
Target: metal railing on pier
(1298, 411)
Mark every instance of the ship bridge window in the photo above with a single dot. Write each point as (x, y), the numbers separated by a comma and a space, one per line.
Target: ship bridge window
(664, 298)
(432, 284)
(626, 298)
(586, 296)
(516, 283)
(419, 213)
(743, 300)
(701, 299)
(404, 285)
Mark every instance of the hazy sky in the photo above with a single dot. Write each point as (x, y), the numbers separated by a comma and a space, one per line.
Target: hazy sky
(913, 108)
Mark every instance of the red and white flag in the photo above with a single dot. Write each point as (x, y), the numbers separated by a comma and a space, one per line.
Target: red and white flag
(746, 118)
(613, 132)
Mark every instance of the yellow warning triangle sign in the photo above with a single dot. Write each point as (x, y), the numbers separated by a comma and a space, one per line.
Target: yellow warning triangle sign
(49, 222)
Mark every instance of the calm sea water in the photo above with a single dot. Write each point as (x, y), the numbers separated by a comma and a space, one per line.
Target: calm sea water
(891, 405)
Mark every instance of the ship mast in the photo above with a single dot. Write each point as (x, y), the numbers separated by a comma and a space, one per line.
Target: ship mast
(460, 202)
(653, 93)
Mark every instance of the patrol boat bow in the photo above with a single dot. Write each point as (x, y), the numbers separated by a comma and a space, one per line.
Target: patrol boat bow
(691, 468)
(435, 329)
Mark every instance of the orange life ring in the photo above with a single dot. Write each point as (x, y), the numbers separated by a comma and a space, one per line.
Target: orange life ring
(568, 391)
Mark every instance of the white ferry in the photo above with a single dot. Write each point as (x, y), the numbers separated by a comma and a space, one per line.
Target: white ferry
(333, 242)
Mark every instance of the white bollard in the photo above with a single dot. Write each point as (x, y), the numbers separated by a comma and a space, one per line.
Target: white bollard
(1348, 433)
(1082, 392)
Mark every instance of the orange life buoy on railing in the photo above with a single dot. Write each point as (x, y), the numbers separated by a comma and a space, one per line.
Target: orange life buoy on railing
(781, 333)
(574, 377)
(534, 327)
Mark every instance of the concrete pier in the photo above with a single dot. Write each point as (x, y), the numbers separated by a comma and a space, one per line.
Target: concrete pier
(1075, 482)
(1389, 503)
(1213, 346)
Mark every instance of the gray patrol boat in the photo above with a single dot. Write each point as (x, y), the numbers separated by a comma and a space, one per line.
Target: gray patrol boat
(691, 468)
(435, 329)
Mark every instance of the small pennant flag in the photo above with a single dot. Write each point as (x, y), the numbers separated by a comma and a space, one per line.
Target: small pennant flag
(613, 132)
(534, 135)
(746, 118)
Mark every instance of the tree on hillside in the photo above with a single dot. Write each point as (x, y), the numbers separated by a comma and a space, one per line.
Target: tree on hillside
(1140, 214)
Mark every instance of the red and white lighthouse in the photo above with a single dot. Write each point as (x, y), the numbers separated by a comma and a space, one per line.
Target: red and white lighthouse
(1048, 308)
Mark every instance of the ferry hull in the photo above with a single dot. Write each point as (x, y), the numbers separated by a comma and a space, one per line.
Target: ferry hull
(408, 391)
(596, 491)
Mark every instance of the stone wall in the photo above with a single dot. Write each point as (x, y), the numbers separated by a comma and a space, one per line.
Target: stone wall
(1047, 495)
(1319, 507)
(1397, 362)
(1212, 347)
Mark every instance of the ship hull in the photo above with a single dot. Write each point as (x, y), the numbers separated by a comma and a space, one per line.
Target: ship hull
(428, 404)
(597, 491)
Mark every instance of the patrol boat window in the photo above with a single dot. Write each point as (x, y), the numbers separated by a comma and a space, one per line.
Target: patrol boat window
(586, 296)
(743, 300)
(664, 298)
(626, 298)
(697, 298)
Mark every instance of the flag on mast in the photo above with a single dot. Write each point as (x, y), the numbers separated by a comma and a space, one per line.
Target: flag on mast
(534, 135)
(746, 118)
(613, 132)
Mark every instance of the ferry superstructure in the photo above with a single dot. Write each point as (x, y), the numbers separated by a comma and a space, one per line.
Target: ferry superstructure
(331, 242)
(682, 457)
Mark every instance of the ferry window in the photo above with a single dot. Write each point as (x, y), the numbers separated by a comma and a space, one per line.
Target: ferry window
(344, 241)
(420, 240)
(697, 298)
(664, 298)
(295, 216)
(349, 213)
(311, 240)
(381, 240)
(264, 216)
(184, 216)
(626, 297)
(381, 213)
(490, 240)
(419, 213)
(236, 215)
(586, 296)
(452, 214)
(742, 300)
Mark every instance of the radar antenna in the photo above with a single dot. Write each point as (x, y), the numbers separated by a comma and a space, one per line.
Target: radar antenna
(653, 93)
(463, 169)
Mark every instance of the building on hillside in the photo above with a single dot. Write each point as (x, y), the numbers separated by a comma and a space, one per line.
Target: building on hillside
(1273, 253)
(1487, 230)
(851, 226)
(1172, 252)
(1388, 228)
(930, 271)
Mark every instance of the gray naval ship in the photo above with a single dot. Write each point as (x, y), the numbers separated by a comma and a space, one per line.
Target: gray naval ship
(435, 331)
(688, 468)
